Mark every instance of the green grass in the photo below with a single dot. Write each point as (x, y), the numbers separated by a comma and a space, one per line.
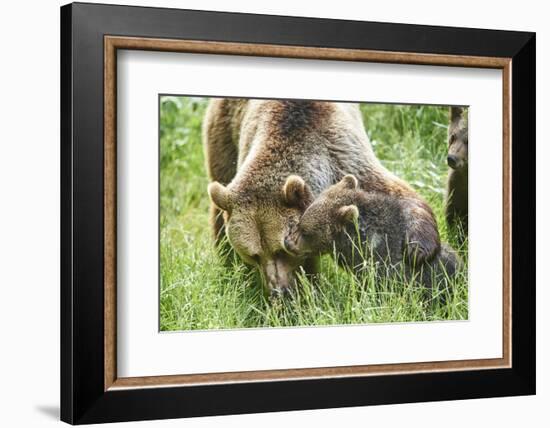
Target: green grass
(198, 291)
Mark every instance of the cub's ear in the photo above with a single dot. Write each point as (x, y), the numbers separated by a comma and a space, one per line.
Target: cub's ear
(348, 214)
(349, 182)
(220, 195)
(456, 113)
(297, 193)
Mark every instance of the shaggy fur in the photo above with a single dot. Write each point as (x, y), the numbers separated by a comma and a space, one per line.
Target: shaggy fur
(252, 146)
(360, 225)
(456, 210)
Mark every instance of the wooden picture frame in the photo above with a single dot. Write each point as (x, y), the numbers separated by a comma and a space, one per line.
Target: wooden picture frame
(90, 389)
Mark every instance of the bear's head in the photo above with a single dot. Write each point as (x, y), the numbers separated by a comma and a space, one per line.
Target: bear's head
(331, 213)
(256, 224)
(457, 157)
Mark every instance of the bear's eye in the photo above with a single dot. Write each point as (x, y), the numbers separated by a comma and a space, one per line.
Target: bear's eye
(452, 138)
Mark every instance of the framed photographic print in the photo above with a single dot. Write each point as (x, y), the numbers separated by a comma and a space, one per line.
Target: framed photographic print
(265, 213)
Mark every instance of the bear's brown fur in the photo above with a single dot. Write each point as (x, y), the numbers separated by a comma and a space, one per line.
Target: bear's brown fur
(456, 210)
(359, 226)
(252, 146)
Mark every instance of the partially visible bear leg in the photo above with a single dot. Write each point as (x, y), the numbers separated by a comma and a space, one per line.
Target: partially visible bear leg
(221, 153)
(456, 209)
(457, 220)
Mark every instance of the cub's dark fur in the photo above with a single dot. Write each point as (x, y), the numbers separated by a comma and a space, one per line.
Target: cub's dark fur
(456, 210)
(360, 225)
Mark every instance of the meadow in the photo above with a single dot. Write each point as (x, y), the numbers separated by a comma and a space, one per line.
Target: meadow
(199, 291)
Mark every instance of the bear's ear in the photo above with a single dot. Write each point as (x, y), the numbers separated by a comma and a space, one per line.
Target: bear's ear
(220, 195)
(297, 193)
(349, 182)
(456, 113)
(348, 214)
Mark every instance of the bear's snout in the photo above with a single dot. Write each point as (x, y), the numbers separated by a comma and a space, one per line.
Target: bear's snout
(452, 161)
(279, 275)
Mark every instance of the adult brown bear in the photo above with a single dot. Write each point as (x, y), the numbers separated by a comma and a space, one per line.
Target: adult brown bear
(252, 146)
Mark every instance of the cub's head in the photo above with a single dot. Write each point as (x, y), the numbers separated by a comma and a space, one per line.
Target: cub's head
(457, 157)
(256, 224)
(325, 219)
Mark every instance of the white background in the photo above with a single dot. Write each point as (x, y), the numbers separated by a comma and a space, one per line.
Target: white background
(29, 218)
(142, 351)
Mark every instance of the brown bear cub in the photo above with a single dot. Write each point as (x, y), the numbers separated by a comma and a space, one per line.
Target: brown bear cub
(456, 211)
(359, 225)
